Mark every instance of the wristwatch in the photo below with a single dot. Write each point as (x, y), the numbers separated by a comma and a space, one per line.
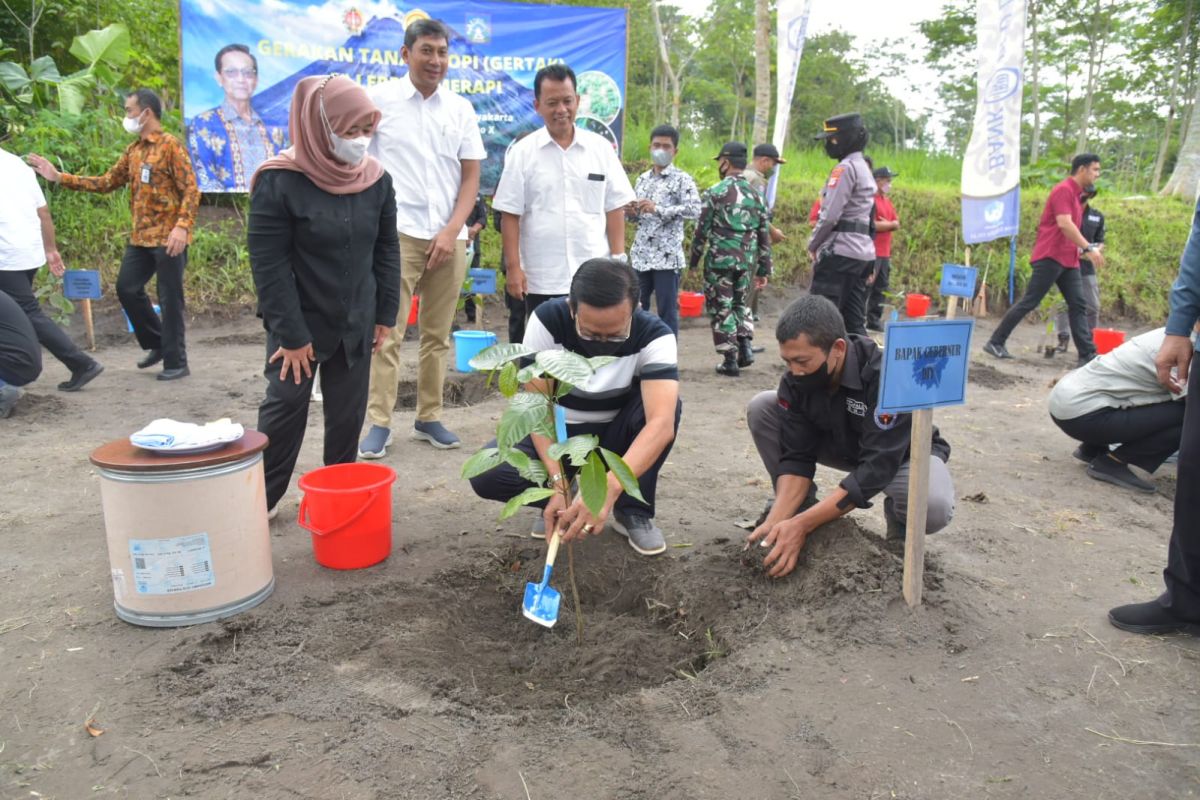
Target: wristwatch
(1089, 248)
(622, 257)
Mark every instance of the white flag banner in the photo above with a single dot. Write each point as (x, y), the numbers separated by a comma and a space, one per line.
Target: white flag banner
(991, 173)
(791, 29)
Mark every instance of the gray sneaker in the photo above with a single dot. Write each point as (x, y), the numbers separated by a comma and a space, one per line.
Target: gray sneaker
(9, 395)
(376, 442)
(436, 434)
(538, 529)
(643, 535)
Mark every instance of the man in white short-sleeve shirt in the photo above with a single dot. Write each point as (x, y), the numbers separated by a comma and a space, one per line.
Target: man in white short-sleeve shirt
(563, 194)
(26, 243)
(428, 139)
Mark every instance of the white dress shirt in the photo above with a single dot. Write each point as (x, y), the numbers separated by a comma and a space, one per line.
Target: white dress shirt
(422, 142)
(562, 197)
(21, 245)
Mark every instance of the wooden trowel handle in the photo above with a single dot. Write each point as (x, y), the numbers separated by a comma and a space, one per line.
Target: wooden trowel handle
(555, 540)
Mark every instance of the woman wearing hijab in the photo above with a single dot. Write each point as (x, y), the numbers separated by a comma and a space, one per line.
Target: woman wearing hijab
(326, 262)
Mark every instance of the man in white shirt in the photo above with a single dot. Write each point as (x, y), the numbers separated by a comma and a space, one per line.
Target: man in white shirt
(26, 243)
(562, 194)
(428, 139)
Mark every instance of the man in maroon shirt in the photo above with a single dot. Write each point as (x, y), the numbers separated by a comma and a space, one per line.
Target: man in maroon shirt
(1055, 260)
(886, 223)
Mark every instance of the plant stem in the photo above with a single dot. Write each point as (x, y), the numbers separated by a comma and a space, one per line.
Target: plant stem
(574, 593)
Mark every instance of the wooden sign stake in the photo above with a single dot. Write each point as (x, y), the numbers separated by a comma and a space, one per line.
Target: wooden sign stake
(87, 321)
(918, 505)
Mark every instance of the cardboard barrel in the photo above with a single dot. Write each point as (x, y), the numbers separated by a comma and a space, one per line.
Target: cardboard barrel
(188, 540)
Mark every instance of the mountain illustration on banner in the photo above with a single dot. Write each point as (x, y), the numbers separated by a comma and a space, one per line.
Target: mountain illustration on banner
(506, 113)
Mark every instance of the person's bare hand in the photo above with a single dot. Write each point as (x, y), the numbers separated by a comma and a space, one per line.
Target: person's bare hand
(784, 540)
(1097, 258)
(381, 334)
(648, 206)
(1175, 353)
(297, 360)
(577, 521)
(55, 262)
(43, 167)
(440, 249)
(551, 513)
(177, 240)
(760, 281)
(812, 256)
(514, 282)
(777, 236)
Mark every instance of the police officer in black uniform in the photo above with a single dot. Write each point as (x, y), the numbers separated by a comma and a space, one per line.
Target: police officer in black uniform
(842, 245)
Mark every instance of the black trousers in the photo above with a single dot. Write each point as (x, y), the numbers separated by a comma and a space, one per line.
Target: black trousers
(844, 282)
(1048, 273)
(20, 354)
(504, 482)
(138, 266)
(1182, 574)
(19, 286)
(283, 415)
(883, 272)
(664, 285)
(1147, 435)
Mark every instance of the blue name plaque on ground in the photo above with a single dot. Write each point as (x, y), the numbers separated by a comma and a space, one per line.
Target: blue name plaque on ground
(81, 284)
(958, 281)
(925, 365)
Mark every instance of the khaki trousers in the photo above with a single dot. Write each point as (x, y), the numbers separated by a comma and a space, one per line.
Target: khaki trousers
(439, 291)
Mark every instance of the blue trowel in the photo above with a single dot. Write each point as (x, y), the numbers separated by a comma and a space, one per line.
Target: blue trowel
(542, 599)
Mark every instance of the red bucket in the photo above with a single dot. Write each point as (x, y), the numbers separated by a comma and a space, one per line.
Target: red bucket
(916, 305)
(412, 310)
(348, 510)
(691, 304)
(1107, 339)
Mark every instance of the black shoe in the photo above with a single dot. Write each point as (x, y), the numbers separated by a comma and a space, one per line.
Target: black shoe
(174, 374)
(1150, 617)
(1063, 343)
(82, 378)
(897, 530)
(745, 355)
(152, 358)
(729, 366)
(757, 348)
(875, 326)
(1083, 360)
(1106, 468)
(997, 350)
(1086, 452)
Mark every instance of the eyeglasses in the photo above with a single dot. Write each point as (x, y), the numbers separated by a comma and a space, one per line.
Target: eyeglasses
(240, 73)
(591, 337)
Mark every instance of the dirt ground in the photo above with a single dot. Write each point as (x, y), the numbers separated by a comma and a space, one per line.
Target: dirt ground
(697, 677)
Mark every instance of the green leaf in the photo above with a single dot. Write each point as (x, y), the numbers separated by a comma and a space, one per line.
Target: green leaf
(109, 45)
(623, 473)
(596, 362)
(526, 413)
(577, 448)
(73, 91)
(531, 469)
(45, 70)
(593, 483)
(508, 379)
(13, 77)
(527, 374)
(498, 355)
(486, 459)
(564, 365)
(530, 495)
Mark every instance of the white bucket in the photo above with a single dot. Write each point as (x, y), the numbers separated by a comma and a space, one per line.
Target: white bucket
(188, 541)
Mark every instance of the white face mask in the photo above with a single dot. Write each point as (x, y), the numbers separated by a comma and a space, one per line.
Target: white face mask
(132, 124)
(348, 151)
(661, 158)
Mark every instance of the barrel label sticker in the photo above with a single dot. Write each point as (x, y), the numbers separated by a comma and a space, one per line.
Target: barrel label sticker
(171, 566)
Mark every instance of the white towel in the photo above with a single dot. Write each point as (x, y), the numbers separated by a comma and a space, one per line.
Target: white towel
(167, 434)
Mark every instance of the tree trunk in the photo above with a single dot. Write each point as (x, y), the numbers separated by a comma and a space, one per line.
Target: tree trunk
(1172, 100)
(1035, 140)
(1186, 175)
(665, 56)
(1096, 31)
(762, 70)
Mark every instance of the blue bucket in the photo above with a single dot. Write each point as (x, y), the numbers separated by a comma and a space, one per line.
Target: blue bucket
(129, 325)
(467, 344)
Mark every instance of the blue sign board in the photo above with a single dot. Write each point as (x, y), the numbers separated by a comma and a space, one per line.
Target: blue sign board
(925, 365)
(958, 281)
(81, 284)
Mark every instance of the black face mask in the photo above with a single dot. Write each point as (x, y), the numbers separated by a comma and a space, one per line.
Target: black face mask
(594, 348)
(832, 150)
(815, 381)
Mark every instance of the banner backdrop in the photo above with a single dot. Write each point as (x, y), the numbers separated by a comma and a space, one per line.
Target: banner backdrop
(991, 176)
(791, 31)
(496, 50)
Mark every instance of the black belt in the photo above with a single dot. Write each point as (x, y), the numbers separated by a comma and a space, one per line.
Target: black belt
(852, 226)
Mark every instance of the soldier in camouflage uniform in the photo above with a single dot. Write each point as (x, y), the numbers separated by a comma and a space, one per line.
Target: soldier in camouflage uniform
(734, 226)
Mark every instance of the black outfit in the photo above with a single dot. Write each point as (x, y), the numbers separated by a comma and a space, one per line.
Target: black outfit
(1047, 273)
(478, 215)
(876, 291)
(1147, 435)
(1182, 575)
(516, 308)
(1092, 229)
(18, 285)
(843, 280)
(138, 266)
(20, 353)
(843, 429)
(327, 271)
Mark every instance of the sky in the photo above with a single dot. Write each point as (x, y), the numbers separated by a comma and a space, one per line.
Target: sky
(872, 21)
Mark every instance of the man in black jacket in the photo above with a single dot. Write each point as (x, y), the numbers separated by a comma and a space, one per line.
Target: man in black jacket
(825, 412)
(1092, 229)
